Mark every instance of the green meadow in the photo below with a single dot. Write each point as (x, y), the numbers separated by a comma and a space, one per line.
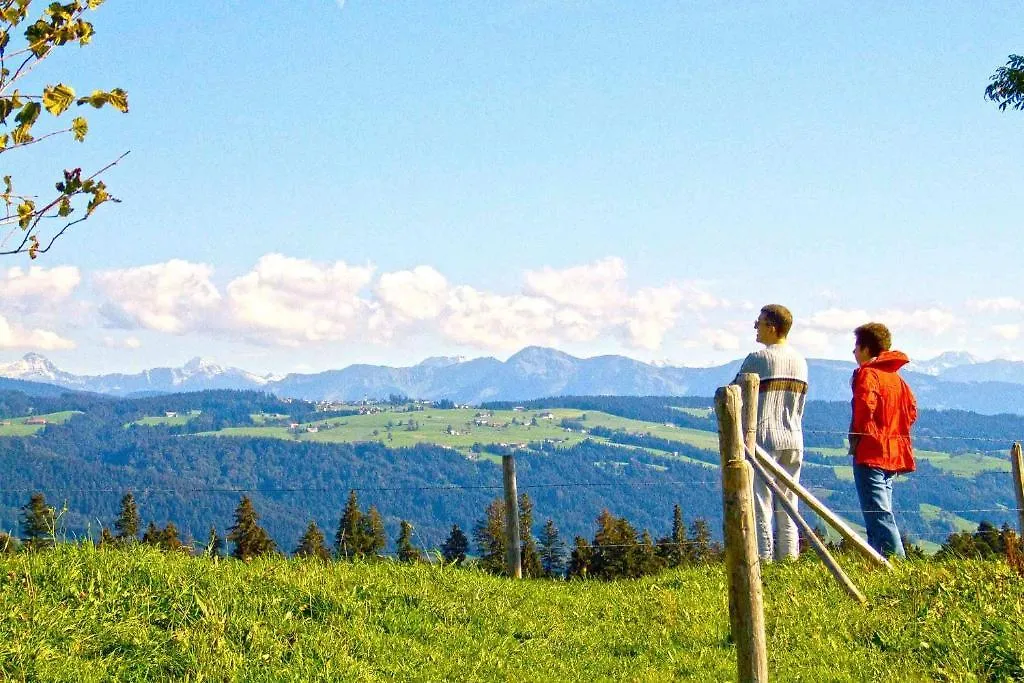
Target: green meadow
(77, 613)
(17, 426)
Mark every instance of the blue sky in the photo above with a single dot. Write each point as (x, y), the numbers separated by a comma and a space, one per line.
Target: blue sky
(314, 183)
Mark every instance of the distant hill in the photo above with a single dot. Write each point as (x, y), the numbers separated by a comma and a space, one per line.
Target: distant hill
(951, 381)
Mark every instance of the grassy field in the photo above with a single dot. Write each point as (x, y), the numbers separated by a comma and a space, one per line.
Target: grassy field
(16, 426)
(80, 614)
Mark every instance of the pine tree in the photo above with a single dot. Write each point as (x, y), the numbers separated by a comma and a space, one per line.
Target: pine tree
(249, 537)
(615, 548)
(169, 538)
(371, 531)
(489, 535)
(127, 523)
(407, 552)
(700, 541)
(647, 561)
(152, 534)
(106, 538)
(312, 544)
(214, 544)
(673, 549)
(455, 547)
(552, 551)
(348, 539)
(38, 525)
(529, 557)
(581, 558)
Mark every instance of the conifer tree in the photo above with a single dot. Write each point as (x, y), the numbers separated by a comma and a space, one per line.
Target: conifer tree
(673, 549)
(312, 544)
(455, 547)
(700, 549)
(407, 552)
(372, 533)
(348, 539)
(214, 544)
(152, 534)
(38, 523)
(580, 559)
(648, 561)
(529, 557)
(249, 537)
(615, 551)
(168, 539)
(106, 538)
(127, 523)
(489, 535)
(552, 551)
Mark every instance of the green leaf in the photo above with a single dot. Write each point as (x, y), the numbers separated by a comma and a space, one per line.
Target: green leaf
(79, 127)
(93, 4)
(58, 98)
(6, 107)
(29, 114)
(97, 99)
(65, 207)
(3, 141)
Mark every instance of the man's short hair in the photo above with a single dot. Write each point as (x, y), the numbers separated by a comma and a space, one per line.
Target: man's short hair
(874, 337)
(779, 317)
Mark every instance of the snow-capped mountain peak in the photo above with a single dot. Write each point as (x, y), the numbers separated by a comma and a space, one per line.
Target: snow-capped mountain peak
(944, 361)
(35, 367)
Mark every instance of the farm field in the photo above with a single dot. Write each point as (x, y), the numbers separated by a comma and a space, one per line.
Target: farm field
(78, 613)
(17, 426)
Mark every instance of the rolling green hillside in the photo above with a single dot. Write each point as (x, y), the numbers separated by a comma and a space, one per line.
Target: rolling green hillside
(81, 614)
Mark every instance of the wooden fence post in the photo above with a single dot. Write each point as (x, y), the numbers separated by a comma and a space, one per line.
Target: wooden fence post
(513, 552)
(746, 616)
(1018, 484)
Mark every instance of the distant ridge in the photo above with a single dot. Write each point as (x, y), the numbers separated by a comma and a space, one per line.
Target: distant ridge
(534, 372)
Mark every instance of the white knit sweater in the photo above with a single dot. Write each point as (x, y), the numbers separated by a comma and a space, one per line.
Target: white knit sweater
(783, 393)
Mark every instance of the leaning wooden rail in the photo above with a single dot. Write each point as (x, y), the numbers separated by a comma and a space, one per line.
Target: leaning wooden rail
(766, 461)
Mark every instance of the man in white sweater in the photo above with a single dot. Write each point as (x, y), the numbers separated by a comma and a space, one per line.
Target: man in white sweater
(780, 411)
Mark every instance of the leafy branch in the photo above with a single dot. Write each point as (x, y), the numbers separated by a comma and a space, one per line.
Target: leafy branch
(1007, 86)
(59, 24)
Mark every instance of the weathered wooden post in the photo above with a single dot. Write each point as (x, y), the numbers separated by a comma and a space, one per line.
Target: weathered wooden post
(746, 604)
(513, 552)
(1018, 484)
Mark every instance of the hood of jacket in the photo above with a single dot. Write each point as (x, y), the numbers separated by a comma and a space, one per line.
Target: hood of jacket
(888, 361)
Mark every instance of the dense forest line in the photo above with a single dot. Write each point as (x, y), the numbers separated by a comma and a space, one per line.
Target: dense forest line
(88, 462)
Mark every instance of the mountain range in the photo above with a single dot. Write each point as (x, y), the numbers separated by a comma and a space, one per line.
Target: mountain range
(949, 381)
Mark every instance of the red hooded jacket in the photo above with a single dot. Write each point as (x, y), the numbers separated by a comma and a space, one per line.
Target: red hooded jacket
(883, 411)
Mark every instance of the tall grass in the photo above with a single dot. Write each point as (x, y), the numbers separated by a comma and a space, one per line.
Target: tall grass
(76, 613)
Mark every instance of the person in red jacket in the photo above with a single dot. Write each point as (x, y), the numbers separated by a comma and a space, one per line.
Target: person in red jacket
(883, 411)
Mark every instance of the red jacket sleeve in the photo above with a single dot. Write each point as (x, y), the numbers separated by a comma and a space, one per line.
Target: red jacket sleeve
(865, 401)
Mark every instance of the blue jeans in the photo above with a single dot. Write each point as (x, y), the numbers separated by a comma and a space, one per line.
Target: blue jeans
(874, 488)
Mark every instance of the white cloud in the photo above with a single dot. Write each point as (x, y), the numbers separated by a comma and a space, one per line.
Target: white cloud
(652, 313)
(597, 287)
(996, 305)
(16, 337)
(497, 322)
(1008, 332)
(174, 297)
(720, 340)
(289, 301)
(417, 294)
(122, 342)
(812, 342)
(932, 320)
(28, 289)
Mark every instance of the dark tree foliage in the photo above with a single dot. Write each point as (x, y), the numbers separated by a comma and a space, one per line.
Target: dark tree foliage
(673, 549)
(312, 544)
(489, 535)
(455, 547)
(151, 536)
(986, 542)
(581, 559)
(552, 551)
(214, 544)
(106, 538)
(529, 557)
(1007, 84)
(127, 523)
(372, 533)
(38, 522)
(348, 540)
(407, 552)
(250, 539)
